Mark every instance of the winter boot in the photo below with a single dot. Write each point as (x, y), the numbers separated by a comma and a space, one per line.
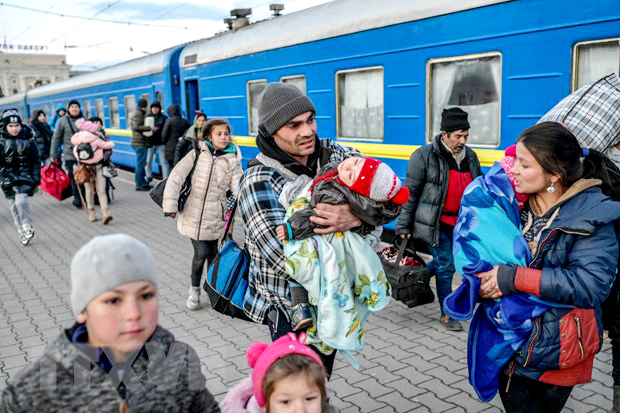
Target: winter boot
(107, 217)
(92, 217)
(616, 405)
(449, 323)
(193, 301)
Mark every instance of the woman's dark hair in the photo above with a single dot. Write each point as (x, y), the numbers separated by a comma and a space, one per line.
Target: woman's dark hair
(558, 152)
(96, 119)
(208, 128)
(292, 365)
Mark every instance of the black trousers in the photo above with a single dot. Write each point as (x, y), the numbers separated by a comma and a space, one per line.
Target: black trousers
(611, 323)
(204, 251)
(69, 165)
(279, 325)
(531, 396)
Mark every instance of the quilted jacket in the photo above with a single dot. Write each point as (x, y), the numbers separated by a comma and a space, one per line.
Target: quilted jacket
(202, 218)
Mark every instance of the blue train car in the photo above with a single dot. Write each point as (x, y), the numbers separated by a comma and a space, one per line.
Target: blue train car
(111, 94)
(379, 76)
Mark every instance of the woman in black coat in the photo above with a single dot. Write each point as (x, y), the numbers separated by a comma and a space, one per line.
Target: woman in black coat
(43, 134)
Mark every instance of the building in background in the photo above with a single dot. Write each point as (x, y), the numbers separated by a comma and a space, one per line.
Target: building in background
(22, 71)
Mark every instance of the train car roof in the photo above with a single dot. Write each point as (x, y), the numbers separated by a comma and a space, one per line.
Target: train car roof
(332, 19)
(141, 66)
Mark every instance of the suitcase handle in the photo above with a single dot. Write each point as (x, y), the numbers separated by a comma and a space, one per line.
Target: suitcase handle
(401, 251)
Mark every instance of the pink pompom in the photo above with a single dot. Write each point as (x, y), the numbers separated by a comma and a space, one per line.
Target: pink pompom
(511, 151)
(254, 352)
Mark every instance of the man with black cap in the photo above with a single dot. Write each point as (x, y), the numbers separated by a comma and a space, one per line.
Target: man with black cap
(139, 143)
(65, 129)
(437, 175)
(289, 147)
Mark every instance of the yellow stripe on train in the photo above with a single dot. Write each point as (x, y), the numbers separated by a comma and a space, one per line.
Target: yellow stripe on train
(375, 150)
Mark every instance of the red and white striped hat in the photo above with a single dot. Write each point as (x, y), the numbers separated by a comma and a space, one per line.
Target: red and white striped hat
(379, 182)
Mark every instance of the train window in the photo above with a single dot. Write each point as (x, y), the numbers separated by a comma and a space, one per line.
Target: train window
(255, 88)
(99, 109)
(87, 109)
(115, 121)
(299, 81)
(359, 97)
(147, 97)
(472, 83)
(130, 108)
(159, 98)
(595, 59)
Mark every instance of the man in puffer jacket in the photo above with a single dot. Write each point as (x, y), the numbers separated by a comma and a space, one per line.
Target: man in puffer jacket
(62, 136)
(139, 143)
(437, 175)
(19, 171)
(174, 128)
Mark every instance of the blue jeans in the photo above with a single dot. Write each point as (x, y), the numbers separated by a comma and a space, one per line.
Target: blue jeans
(443, 263)
(141, 153)
(158, 152)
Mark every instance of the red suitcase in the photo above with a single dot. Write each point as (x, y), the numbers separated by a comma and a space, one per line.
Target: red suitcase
(55, 181)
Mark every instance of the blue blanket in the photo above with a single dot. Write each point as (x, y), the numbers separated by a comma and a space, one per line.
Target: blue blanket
(488, 233)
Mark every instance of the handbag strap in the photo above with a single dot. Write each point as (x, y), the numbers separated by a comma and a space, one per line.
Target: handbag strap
(230, 220)
(191, 172)
(401, 251)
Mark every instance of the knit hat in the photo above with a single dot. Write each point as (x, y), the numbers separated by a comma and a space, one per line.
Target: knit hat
(11, 116)
(508, 162)
(379, 182)
(279, 103)
(261, 356)
(87, 125)
(142, 103)
(106, 262)
(454, 119)
(74, 102)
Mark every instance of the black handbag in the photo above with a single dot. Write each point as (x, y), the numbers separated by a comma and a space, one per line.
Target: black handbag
(410, 283)
(157, 193)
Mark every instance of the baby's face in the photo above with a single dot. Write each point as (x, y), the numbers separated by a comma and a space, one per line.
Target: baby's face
(349, 169)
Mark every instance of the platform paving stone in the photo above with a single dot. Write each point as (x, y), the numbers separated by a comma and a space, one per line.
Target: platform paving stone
(411, 364)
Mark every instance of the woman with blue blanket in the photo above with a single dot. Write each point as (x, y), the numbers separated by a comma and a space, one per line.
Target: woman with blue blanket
(571, 223)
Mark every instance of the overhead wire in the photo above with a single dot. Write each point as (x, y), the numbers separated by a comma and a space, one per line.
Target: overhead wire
(94, 19)
(36, 21)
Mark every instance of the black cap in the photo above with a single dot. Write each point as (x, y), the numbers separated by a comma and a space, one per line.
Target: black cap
(142, 103)
(454, 119)
(74, 102)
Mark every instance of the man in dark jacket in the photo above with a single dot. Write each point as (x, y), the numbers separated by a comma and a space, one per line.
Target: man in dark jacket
(156, 146)
(174, 128)
(437, 175)
(62, 136)
(139, 144)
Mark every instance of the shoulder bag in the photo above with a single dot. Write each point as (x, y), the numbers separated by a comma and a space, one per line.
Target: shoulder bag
(226, 282)
(157, 193)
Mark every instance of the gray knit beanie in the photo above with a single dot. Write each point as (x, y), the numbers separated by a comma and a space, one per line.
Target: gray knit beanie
(279, 103)
(106, 262)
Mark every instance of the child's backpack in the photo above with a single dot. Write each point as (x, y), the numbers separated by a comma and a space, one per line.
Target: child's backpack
(85, 151)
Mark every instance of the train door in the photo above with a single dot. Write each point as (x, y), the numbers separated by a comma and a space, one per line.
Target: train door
(192, 100)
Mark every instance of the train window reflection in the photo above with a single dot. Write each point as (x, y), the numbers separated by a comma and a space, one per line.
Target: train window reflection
(472, 83)
(99, 109)
(115, 121)
(299, 81)
(593, 60)
(255, 88)
(87, 109)
(130, 108)
(360, 109)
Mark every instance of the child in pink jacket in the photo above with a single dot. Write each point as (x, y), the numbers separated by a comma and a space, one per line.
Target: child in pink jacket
(88, 148)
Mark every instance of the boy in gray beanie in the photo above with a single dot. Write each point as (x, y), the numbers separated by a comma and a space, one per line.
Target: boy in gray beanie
(115, 357)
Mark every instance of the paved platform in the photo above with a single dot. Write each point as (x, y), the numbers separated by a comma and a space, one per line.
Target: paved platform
(410, 363)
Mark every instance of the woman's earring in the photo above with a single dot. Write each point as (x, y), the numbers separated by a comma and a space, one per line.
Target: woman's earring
(551, 188)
